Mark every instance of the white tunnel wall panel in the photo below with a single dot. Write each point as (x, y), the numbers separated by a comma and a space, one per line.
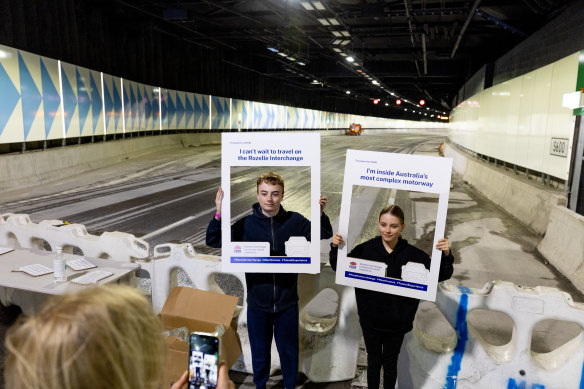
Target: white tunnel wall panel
(97, 116)
(70, 100)
(112, 104)
(189, 110)
(516, 121)
(52, 114)
(164, 105)
(180, 110)
(201, 108)
(11, 120)
(220, 113)
(29, 67)
(84, 101)
(154, 94)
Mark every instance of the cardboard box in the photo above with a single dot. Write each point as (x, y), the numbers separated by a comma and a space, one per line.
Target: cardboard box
(198, 310)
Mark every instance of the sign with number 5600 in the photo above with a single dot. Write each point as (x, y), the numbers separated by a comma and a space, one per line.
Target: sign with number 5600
(559, 146)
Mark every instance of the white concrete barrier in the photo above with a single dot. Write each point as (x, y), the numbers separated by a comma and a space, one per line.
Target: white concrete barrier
(17, 230)
(528, 203)
(327, 352)
(468, 361)
(329, 327)
(562, 244)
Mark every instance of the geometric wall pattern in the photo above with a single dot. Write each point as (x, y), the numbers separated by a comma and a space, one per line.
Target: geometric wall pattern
(43, 98)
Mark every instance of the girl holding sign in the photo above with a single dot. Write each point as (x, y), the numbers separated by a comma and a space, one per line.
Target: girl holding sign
(386, 318)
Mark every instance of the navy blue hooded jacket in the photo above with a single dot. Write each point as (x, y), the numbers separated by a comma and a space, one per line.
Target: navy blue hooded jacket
(270, 292)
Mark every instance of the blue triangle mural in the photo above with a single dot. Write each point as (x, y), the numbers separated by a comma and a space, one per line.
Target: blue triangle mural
(244, 114)
(51, 98)
(134, 106)
(171, 108)
(108, 104)
(147, 106)
(141, 107)
(180, 109)
(155, 110)
(127, 107)
(95, 103)
(83, 101)
(69, 100)
(117, 105)
(8, 98)
(31, 97)
(204, 111)
(189, 110)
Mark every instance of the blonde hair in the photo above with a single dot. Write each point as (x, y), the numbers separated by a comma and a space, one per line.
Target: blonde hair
(271, 178)
(102, 337)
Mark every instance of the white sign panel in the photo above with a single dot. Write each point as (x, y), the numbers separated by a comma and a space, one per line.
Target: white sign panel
(418, 176)
(287, 154)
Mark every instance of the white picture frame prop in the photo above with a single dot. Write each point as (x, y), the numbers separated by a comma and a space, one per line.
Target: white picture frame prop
(270, 149)
(407, 172)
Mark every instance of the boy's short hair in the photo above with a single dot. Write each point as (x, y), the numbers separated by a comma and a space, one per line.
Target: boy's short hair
(271, 178)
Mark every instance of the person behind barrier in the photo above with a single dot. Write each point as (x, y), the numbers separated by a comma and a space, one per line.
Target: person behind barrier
(386, 318)
(272, 298)
(98, 338)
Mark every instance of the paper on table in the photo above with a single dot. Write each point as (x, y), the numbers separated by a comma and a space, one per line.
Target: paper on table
(35, 270)
(92, 277)
(80, 264)
(4, 250)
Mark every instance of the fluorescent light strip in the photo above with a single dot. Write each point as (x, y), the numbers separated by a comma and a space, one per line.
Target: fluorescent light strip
(334, 22)
(318, 5)
(336, 33)
(324, 22)
(306, 5)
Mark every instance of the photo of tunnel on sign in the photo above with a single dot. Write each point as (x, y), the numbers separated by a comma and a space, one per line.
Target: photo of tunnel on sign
(420, 212)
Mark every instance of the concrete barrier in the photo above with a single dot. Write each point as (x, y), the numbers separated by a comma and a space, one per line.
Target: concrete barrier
(562, 244)
(528, 203)
(469, 361)
(328, 345)
(17, 230)
(41, 166)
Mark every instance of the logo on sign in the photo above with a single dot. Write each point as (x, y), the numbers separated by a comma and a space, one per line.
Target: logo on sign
(353, 265)
(237, 249)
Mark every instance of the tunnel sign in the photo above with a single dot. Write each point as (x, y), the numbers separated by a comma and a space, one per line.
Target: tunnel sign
(295, 157)
(420, 185)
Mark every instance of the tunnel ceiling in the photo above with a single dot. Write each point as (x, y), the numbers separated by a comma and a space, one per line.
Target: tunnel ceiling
(414, 49)
(289, 52)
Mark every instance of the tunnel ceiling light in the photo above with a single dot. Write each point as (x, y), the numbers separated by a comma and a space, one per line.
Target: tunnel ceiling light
(343, 54)
(292, 58)
(318, 5)
(282, 54)
(337, 33)
(337, 41)
(324, 22)
(307, 6)
(386, 104)
(393, 94)
(345, 33)
(355, 64)
(272, 49)
(345, 42)
(334, 21)
(350, 59)
(301, 63)
(375, 82)
(337, 50)
(348, 92)
(359, 71)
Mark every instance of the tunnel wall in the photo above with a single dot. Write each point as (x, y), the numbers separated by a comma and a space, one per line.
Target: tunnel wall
(522, 121)
(44, 99)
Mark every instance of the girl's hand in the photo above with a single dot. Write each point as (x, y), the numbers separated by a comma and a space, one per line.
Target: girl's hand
(322, 201)
(337, 240)
(443, 246)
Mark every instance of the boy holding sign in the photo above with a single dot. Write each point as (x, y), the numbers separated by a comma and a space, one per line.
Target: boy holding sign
(272, 298)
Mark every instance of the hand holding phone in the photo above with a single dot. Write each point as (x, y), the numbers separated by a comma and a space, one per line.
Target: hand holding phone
(203, 360)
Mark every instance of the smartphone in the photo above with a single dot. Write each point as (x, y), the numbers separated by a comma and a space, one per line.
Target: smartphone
(203, 360)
